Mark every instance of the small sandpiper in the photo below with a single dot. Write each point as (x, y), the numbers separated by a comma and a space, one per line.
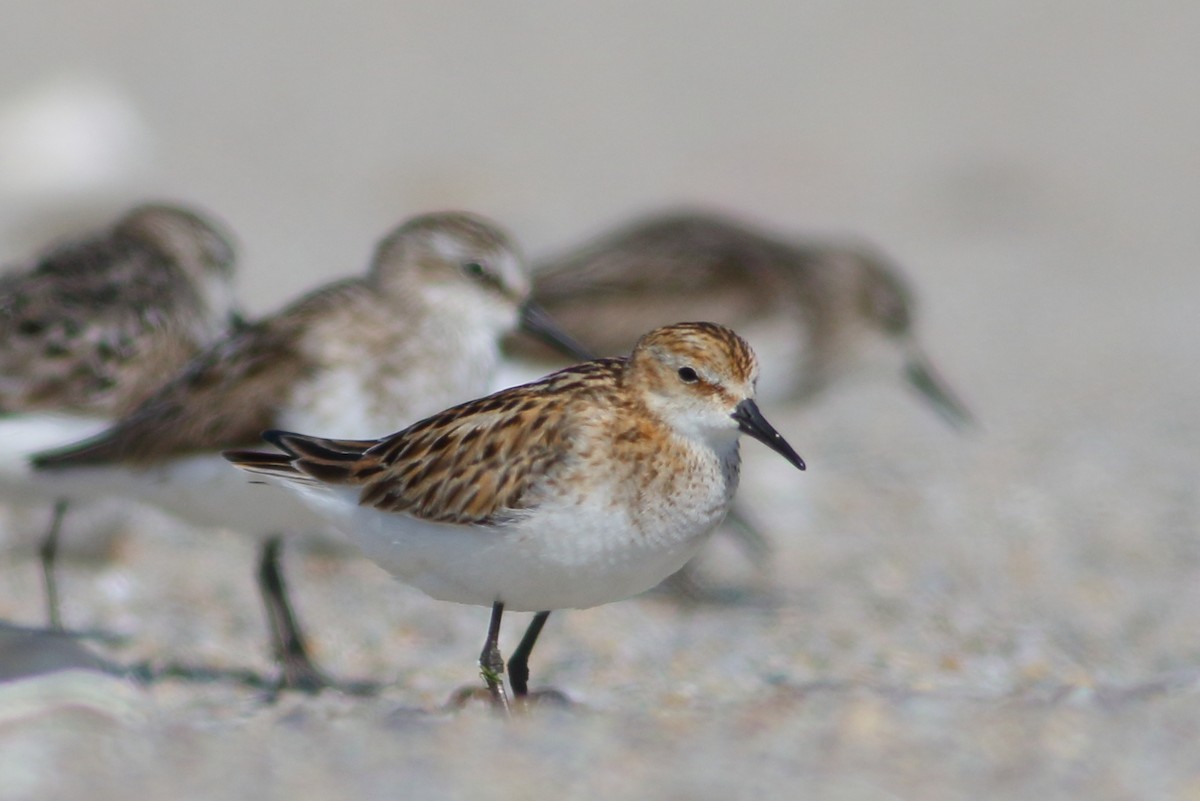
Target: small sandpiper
(586, 487)
(361, 357)
(90, 329)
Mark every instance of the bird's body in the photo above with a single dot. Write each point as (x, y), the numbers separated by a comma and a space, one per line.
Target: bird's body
(513, 472)
(586, 487)
(815, 311)
(94, 325)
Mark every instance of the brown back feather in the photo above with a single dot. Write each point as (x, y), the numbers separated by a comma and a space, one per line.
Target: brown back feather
(472, 464)
(224, 398)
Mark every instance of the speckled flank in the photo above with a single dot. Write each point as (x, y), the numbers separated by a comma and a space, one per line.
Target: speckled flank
(96, 324)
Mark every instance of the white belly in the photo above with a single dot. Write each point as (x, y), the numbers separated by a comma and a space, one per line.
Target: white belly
(575, 557)
(207, 491)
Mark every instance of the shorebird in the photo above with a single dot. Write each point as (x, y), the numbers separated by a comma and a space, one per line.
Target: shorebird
(817, 311)
(362, 356)
(586, 487)
(91, 327)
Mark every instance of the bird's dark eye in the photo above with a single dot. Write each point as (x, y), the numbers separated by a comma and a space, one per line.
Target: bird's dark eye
(474, 269)
(688, 375)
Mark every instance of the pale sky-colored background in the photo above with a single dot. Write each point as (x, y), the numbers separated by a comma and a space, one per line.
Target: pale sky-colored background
(1072, 125)
(1035, 168)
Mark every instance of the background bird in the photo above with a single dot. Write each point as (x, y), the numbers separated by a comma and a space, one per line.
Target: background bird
(92, 326)
(817, 311)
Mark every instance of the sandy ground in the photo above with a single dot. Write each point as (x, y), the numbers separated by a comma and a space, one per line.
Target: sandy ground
(1010, 613)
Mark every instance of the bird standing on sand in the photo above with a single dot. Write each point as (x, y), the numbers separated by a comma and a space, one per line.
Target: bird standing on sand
(586, 487)
(91, 328)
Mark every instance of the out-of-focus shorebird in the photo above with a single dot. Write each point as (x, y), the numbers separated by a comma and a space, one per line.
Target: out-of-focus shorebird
(360, 357)
(816, 312)
(91, 328)
(823, 310)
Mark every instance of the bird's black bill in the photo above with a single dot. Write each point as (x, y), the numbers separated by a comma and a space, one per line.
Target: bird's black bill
(537, 322)
(925, 380)
(751, 421)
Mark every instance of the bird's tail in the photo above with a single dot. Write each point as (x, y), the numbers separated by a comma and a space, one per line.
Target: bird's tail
(304, 459)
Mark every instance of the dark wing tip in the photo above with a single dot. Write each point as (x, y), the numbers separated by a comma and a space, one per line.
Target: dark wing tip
(78, 454)
(329, 461)
(279, 438)
(302, 447)
(250, 460)
(239, 456)
(278, 465)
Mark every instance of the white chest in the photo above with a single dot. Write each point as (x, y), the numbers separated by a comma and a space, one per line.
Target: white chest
(592, 545)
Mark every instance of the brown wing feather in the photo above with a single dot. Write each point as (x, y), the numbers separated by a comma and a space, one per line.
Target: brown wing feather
(267, 464)
(472, 464)
(333, 461)
(89, 326)
(225, 397)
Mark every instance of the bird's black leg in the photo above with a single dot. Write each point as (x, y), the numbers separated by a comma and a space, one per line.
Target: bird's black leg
(518, 663)
(298, 671)
(48, 553)
(491, 663)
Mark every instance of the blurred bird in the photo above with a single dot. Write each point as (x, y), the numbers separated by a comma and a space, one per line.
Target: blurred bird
(360, 357)
(816, 312)
(825, 310)
(91, 327)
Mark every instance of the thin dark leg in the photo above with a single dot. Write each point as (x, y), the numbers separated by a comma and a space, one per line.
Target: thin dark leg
(491, 663)
(299, 672)
(48, 554)
(518, 663)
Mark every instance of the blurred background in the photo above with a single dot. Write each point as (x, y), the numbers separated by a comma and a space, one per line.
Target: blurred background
(1036, 158)
(1033, 167)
